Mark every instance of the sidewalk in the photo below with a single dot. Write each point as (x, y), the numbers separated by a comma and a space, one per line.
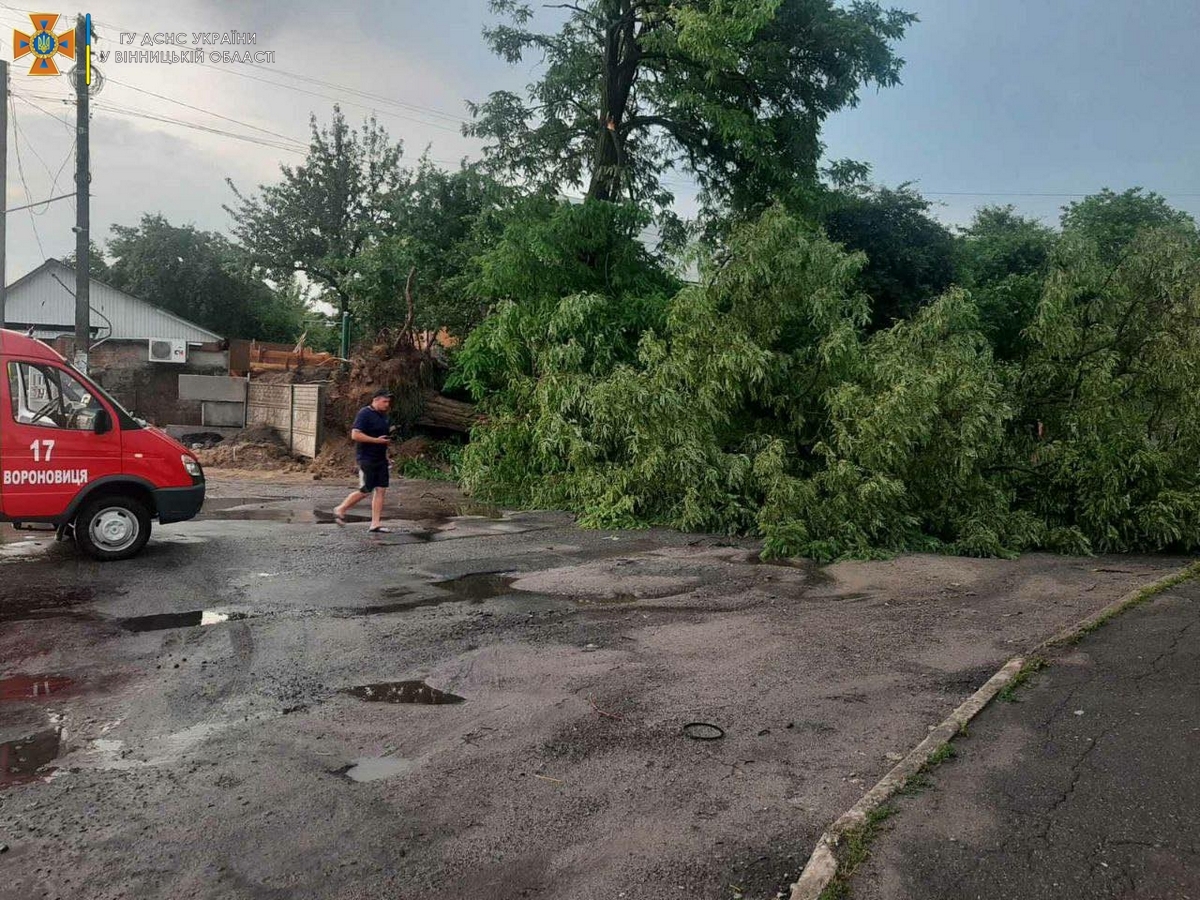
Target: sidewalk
(1087, 787)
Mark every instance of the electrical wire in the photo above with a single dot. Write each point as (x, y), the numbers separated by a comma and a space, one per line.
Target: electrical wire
(21, 172)
(45, 112)
(167, 120)
(205, 111)
(379, 98)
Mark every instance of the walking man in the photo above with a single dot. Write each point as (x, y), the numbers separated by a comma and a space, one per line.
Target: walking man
(370, 435)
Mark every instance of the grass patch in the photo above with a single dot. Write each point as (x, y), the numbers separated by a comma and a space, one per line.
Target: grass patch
(920, 780)
(420, 468)
(441, 463)
(1036, 664)
(852, 852)
(939, 756)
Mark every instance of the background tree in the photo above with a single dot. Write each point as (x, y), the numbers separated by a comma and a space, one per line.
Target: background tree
(1111, 220)
(201, 276)
(1004, 259)
(326, 212)
(441, 222)
(97, 264)
(732, 92)
(910, 255)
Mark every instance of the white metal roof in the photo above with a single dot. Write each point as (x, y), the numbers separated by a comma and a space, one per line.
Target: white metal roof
(45, 299)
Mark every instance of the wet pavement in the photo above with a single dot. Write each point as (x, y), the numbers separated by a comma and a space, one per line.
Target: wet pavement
(482, 704)
(1086, 787)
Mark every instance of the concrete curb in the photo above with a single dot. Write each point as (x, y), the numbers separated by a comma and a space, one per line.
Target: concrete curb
(822, 865)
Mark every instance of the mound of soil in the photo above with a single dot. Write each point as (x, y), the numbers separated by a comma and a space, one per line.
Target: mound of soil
(255, 447)
(335, 458)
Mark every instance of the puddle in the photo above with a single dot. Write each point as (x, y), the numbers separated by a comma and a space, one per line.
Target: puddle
(163, 621)
(33, 687)
(402, 692)
(18, 602)
(21, 760)
(275, 514)
(398, 606)
(219, 504)
(479, 587)
(25, 547)
(478, 508)
(375, 768)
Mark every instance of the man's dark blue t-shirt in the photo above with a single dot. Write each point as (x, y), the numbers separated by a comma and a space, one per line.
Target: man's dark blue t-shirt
(372, 424)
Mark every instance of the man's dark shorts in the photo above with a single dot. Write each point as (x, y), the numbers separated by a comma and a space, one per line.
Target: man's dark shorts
(372, 475)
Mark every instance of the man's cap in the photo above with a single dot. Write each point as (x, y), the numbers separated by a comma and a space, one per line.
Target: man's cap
(382, 392)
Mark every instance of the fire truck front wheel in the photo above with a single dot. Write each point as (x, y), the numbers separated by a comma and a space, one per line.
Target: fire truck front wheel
(112, 528)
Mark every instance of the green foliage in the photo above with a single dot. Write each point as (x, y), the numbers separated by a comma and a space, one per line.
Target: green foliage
(441, 221)
(1111, 221)
(441, 464)
(203, 277)
(733, 91)
(1113, 380)
(910, 255)
(758, 402)
(1004, 259)
(97, 264)
(572, 289)
(324, 213)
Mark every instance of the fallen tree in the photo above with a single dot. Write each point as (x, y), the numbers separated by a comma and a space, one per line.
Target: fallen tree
(411, 364)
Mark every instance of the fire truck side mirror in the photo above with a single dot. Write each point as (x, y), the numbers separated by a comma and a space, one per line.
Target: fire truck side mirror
(102, 424)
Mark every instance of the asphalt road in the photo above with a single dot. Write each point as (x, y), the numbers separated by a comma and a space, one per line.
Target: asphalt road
(1088, 787)
(265, 705)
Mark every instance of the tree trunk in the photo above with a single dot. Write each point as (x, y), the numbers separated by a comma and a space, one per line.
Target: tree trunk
(621, 57)
(442, 412)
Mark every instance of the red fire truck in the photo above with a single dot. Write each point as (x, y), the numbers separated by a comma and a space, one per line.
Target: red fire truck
(73, 459)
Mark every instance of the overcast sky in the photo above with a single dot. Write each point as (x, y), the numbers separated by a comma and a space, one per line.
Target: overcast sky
(1012, 100)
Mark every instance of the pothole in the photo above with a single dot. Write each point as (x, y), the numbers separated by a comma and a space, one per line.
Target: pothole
(25, 759)
(375, 768)
(163, 621)
(402, 692)
(478, 508)
(479, 587)
(33, 687)
(20, 603)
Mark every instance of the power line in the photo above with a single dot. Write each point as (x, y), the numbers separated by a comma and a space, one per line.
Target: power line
(381, 98)
(1034, 194)
(46, 202)
(168, 120)
(416, 107)
(205, 111)
(45, 112)
(21, 172)
(340, 100)
(287, 144)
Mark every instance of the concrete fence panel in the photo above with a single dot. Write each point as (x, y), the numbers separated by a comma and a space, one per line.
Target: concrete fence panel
(294, 411)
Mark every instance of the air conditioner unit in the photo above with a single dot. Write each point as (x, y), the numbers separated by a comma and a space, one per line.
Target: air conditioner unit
(168, 350)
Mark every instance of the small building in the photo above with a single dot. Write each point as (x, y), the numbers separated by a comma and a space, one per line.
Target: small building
(138, 350)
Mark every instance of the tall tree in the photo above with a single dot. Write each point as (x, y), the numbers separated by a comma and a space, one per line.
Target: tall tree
(1004, 259)
(202, 276)
(97, 265)
(442, 222)
(910, 255)
(732, 91)
(323, 213)
(1111, 221)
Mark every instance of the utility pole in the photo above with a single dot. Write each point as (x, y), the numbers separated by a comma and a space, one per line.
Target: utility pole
(3, 189)
(83, 262)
